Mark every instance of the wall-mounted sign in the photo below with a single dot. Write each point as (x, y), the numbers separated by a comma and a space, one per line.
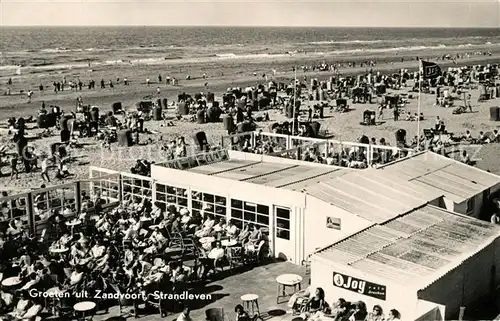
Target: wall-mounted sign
(360, 286)
(333, 222)
(198, 160)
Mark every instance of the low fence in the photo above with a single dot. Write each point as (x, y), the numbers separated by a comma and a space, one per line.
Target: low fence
(284, 145)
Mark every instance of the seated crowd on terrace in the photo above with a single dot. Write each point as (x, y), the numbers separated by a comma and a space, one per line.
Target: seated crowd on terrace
(135, 247)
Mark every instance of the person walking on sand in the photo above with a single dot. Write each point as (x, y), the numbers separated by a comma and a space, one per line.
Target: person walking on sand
(380, 112)
(45, 169)
(158, 91)
(159, 79)
(13, 168)
(468, 103)
(396, 113)
(148, 82)
(125, 81)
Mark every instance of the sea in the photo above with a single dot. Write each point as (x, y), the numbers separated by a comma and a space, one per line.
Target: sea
(67, 47)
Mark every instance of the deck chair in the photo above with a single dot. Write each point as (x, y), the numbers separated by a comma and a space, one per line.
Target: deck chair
(214, 314)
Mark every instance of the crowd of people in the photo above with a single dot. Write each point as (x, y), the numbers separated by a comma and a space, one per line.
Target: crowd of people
(312, 305)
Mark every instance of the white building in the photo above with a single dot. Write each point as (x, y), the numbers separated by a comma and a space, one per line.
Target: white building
(301, 205)
(426, 264)
(465, 188)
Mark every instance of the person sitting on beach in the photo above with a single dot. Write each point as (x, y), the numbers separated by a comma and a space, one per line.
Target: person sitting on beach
(467, 136)
(62, 170)
(496, 137)
(482, 138)
(42, 110)
(465, 158)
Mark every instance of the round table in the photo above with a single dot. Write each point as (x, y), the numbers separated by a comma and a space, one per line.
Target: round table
(84, 307)
(287, 280)
(74, 223)
(212, 255)
(12, 281)
(58, 250)
(208, 239)
(251, 302)
(228, 243)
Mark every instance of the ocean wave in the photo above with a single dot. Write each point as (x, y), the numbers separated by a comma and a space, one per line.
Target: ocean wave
(332, 42)
(209, 57)
(226, 55)
(9, 67)
(60, 50)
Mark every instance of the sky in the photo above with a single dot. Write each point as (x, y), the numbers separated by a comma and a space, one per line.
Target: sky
(292, 13)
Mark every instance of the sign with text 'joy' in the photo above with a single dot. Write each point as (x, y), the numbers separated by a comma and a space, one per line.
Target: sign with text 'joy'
(360, 286)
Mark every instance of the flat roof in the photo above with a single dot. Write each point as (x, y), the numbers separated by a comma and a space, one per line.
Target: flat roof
(415, 249)
(456, 181)
(366, 194)
(266, 173)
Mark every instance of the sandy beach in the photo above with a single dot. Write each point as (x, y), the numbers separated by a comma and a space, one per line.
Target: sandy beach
(221, 75)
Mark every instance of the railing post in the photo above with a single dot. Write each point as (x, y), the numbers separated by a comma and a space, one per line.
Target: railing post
(30, 213)
(120, 188)
(153, 191)
(78, 200)
(369, 156)
(189, 199)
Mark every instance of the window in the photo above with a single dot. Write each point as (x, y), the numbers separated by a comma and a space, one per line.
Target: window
(245, 213)
(283, 223)
(136, 187)
(209, 203)
(60, 199)
(470, 206)
(171, 195)
(104, 184)
(13, 207)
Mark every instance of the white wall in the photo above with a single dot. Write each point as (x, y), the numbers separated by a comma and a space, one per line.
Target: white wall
(250, 192)
(316, 232)
(398, 297)
(430, 311)
(478, 204)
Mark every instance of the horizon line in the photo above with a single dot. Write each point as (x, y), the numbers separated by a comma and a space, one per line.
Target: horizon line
(251, 26)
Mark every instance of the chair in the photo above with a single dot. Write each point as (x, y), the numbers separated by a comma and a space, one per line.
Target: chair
(157, 302)
(260, 250)
(117, 290)
(299, 306)
(189, 247)
(214, 314)
(235, 256)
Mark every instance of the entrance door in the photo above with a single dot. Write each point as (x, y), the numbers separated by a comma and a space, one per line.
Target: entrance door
(282, 233)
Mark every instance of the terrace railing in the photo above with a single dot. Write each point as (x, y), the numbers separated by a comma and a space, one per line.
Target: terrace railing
(284, 144)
